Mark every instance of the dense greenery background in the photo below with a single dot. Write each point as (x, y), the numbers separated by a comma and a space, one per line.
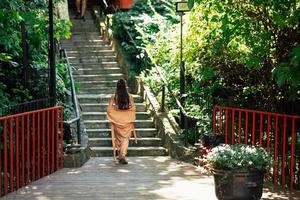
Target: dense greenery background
(247, 53)
(13, 88)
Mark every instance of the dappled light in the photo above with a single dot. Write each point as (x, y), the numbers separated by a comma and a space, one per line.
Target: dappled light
(147, 177)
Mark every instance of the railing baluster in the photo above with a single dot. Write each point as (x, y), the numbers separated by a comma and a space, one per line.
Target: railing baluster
(17, 155)
(232, 128)
(246, 128)
(52, 140)
(38, 146)
(48, 142)
(261, 130)
(253, 128)
(56, 139)
(43, 143)
(292, 155)
(214, 120)
(23, 152)
(5, 155)
(11, 157)
(220, 120)
(275, 150)
(239, 129)
(226, 126)
(33, 146)
(28, 150)
(283, 153)
(268, 132)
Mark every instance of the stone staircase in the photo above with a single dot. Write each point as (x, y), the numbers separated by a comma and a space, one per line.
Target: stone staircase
(97, 72)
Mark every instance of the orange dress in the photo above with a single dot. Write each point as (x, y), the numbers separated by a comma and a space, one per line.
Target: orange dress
(122, 124)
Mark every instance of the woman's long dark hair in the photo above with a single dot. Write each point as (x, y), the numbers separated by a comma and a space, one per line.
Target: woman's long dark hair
(122, 95)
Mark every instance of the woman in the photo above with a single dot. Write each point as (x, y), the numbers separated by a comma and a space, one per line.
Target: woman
(121, 114)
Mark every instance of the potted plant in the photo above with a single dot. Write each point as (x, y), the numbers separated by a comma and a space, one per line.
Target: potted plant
(238, 171)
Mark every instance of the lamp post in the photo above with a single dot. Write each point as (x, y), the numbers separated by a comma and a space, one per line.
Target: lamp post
(51, 56)
(181, 8)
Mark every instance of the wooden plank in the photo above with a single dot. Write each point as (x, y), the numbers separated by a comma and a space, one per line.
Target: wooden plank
(143, 178)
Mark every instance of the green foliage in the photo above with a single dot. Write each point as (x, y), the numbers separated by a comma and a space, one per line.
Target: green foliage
(142, 22)
(14, 89)
(238, 157)
(246, 52)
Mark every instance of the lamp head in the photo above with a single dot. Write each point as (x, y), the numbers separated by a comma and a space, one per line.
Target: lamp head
(182, 6)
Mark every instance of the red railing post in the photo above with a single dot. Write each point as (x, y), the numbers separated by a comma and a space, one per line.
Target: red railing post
(268, 132)
(52, 140)
(275, 150)
(23, 152)
(283, 153)
(239, 128)
(292, 154)
(5, 155)
(260, 129)
(38, 145)
(11, 157)
(20, 161)
(17, 155)
(28, 150)
(226, 126)
(48, 142)
(33, 146)
(214, 120)
(253, 128)
(43, 143)
(283, 147)
(246, 128)
(232, 128)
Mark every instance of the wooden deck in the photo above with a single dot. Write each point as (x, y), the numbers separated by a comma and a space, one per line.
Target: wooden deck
(143, 178)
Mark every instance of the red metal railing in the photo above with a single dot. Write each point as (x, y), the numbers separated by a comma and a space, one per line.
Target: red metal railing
(31, 147)
(278, 133)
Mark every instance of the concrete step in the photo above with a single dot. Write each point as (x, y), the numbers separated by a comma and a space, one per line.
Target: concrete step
(90, 54)
(87, 48)
(87, 36)
(84, 29)
(99, 77)
(80, 42)
(99, 87)
(101, 124)
(84, 84)
(102, 115)
(93, 60)
(101, 98)
(100, 65)
(104, 133)
(132, 151)
(106, 142)
(99, 70)
(97, 90)
(101, 107)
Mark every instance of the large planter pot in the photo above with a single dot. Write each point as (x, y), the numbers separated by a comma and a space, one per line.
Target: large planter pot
(238, 185)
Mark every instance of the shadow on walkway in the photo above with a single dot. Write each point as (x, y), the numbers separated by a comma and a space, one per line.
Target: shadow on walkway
(143, 178)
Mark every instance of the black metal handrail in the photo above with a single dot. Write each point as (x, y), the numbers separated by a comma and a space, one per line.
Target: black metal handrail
(25, 107)
(147, 55)
(63, 54)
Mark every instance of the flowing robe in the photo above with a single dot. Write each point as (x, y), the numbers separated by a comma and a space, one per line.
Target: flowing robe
(122, 124)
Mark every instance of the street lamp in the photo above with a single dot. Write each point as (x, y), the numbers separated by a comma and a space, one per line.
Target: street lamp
(181, 8)
(51, 56)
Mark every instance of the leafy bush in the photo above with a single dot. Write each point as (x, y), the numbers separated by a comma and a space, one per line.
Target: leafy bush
(238, 157)
(14, 88)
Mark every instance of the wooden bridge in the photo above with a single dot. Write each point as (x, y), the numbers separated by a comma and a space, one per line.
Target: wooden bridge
(143, 178)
